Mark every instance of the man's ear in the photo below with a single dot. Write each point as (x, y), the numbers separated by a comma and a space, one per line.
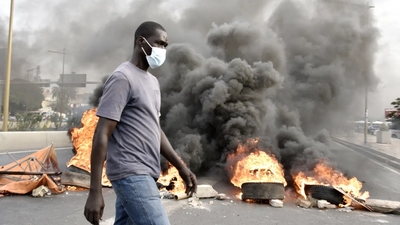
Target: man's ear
(139, 41)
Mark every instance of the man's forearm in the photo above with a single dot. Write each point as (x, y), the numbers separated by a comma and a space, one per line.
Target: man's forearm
(168, 152)
(98, 156)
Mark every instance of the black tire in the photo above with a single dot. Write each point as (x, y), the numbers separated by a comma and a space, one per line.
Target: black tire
(77, 170)
(394, 136)
(75, 179)
(263, 191)
(327, 193)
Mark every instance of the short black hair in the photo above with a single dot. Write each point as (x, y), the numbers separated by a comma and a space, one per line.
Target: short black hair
(147, 29)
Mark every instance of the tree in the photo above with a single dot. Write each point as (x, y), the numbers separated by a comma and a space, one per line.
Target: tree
(28, 121)
(56, 106)
(55, 118)
(395, 116)
(25, 96)
(66, 94)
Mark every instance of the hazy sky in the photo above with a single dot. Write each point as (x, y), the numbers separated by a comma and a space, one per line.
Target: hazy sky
(387, 64)
(31, 15)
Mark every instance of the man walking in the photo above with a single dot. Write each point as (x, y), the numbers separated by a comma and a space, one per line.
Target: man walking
(129, 135)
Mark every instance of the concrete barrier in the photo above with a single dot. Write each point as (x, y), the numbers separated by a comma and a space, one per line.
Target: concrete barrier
(27, 140)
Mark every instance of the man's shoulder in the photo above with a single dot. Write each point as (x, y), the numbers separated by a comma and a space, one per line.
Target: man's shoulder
(116, 77)
(122, 70)
(129, 70)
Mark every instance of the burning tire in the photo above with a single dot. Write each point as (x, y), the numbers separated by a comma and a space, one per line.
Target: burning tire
(327, 193)
(263, 191)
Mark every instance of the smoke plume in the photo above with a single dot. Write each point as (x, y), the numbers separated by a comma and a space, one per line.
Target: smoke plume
(286, 80)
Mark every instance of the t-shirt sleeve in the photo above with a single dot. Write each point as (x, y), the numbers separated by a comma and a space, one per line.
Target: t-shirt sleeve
(115, 97)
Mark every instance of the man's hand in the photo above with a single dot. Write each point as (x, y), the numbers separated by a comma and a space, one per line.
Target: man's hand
(95, 202)
(94, 208)
(188, 177)
(190, 180)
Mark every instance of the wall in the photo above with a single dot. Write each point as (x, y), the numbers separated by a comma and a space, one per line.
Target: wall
(27, 140)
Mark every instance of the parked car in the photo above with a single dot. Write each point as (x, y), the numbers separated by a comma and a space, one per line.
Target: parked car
(395, 133)
(10, 118)
(374, 127)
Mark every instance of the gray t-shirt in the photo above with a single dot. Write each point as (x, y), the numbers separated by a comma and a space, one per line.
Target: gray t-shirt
(131, 97)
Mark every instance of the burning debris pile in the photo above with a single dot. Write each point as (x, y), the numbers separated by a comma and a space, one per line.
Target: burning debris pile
(324, 175)
(254, 165)
(250, 166)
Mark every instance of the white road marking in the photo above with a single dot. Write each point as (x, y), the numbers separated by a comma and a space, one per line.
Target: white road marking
(381, 221)
(383, 165)
(390, 189)
(109, 221)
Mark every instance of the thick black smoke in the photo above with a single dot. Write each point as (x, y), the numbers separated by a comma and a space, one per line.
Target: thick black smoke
(282, 71)
(286, 81)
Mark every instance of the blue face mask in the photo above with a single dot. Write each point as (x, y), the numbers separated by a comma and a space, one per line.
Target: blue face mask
(157, 56)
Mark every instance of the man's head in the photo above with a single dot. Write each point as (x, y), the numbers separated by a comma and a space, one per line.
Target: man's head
(149, 34)
(148, 29)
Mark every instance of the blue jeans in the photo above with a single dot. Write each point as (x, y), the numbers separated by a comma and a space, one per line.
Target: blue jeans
(138, 202)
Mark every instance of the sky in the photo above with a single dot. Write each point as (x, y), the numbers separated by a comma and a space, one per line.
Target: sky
(33, 15)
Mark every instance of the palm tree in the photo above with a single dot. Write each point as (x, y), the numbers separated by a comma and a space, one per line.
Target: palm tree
(63, 96)
(67, 93)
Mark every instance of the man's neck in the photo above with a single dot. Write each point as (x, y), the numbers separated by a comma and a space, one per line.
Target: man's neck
(140, 62)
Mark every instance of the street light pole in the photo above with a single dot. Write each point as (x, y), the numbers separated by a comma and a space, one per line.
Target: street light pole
(62, 81)
(366, 89)
(7, 85)
(62, 88)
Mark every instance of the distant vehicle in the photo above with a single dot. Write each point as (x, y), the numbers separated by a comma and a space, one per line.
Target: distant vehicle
(374, 127)
(395, 133)
(359, 126)
(10, 118)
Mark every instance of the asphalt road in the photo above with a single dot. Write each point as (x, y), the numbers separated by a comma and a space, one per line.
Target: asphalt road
(382, 181)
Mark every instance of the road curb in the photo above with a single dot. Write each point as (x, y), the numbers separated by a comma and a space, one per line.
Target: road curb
(371, 153)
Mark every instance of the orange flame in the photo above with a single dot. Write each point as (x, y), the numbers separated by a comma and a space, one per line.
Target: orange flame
(82, 141)
(74, 188)
(254, 165)
(325, 175)
(172, 175)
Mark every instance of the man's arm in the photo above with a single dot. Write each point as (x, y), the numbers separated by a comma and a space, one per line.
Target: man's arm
(95, 202)
(168, 152)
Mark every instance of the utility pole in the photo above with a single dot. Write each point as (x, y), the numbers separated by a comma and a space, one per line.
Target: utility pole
(1, 97)
(366, 89)
(7, 85)
(62, 81)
